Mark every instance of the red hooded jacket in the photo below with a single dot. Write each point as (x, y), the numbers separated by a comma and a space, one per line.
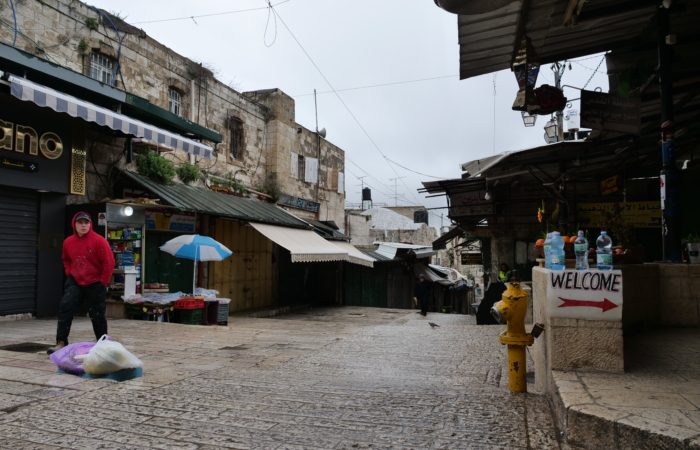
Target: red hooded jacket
(88, 259)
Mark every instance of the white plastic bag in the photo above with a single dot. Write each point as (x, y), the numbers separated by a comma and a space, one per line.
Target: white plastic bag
(107, 357)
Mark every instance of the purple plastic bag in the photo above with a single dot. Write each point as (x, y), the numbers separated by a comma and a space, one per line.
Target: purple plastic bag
(64, 358)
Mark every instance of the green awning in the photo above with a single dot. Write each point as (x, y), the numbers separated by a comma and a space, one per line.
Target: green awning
(62, 79)
(206, 201)
(140, 108)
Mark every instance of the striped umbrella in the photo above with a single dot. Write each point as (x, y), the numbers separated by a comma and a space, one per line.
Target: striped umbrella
(197, 248)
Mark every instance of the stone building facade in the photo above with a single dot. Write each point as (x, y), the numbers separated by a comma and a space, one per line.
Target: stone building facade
(261, 139)
(365, 228)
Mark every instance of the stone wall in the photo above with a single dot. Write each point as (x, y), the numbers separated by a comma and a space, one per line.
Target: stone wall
(149, 69)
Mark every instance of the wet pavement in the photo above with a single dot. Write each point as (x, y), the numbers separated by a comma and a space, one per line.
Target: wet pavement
(330, 378)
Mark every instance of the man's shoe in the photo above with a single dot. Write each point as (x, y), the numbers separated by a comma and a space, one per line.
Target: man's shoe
(59, 345)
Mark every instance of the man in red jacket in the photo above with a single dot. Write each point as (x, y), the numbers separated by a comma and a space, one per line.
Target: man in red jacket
(89, 263)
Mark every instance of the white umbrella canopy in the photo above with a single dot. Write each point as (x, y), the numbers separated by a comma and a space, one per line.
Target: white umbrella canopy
(197, 248)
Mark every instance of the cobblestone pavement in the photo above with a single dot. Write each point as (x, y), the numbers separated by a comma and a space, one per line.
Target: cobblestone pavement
(333, 378)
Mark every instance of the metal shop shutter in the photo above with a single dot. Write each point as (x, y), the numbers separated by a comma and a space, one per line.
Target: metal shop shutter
(19, 213)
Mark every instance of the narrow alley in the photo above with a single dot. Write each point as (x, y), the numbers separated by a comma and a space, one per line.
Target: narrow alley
(329, 378)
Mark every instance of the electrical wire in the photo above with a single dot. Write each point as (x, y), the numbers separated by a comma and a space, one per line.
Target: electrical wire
(119, 52)
(29, 39)
(419, 173)
(594, 72)
(344, 104)
(269, 13)
(209, 15)
(495, 74)
(377, 85)
(14, 17)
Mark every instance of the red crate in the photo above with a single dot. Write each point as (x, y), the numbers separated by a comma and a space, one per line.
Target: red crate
(189, 304)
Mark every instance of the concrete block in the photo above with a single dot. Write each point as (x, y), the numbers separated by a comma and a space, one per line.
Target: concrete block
(592, 426)
(673, 270)
(636, 433)
(670, 287)
(586, 349)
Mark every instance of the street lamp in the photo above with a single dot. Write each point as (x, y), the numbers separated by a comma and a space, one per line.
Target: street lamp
(551, 129)
(528, 119)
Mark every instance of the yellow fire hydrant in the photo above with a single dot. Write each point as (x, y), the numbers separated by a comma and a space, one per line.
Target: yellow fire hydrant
(511, 310)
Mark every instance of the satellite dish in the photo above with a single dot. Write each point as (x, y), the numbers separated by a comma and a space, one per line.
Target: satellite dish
(322, 133)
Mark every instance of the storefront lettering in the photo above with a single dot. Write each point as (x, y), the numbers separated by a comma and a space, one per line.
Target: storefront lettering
(22, 138)
(586, 280)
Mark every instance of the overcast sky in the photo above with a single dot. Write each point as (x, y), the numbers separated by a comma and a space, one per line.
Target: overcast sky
(428, 126)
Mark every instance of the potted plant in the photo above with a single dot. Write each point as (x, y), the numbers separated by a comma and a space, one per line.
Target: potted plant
(692, 247)
(626, 252)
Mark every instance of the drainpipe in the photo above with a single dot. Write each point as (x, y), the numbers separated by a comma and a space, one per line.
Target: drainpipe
(191, 157)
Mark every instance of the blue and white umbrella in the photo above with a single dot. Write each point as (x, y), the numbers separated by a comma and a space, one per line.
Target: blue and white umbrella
(198, 248)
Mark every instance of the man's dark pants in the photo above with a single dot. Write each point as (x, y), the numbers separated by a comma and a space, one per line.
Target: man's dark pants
(424, 305)
(73, 297)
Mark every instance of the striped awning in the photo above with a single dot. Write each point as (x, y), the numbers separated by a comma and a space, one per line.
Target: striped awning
(63, 103)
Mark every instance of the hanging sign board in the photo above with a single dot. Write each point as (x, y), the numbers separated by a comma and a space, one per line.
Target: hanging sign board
(164, 219)
(472, 258)
(573, 121)
(470, 204)
(638, 214)
(601, 111)
(585, 294)
(608, 185)
(296, 202)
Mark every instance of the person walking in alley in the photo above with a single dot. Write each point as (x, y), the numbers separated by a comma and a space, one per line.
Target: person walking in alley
(504, 274)
(88, 263)
(422, 291)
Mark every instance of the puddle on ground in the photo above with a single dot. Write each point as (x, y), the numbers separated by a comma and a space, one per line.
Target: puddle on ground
(27, 347)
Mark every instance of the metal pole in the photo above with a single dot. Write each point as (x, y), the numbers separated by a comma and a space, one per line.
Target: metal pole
(669, 179)
(558, 72)
(318, 144)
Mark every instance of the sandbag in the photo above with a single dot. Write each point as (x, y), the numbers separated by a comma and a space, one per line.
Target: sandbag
(108, 356)
(65, 358)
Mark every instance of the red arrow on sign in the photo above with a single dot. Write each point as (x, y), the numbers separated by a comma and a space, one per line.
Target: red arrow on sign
(605, 305)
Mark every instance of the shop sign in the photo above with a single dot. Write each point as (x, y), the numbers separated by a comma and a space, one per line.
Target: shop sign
(32, 138)
(17, 164)
(609, 185)
(601, 111)
(166, 220)
(637, 214)
(472, 258)
(470, 204)
(299, 203)
(585, 294)
(549, 99)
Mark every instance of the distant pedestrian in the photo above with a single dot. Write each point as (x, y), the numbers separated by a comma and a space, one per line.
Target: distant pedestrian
(88, 262)
(504, 274)
(421, 291)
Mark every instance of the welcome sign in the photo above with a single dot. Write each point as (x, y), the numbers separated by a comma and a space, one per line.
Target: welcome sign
(585, 294)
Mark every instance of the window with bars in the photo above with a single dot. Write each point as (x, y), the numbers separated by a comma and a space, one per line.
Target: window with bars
(174, 102)
(236, 145)
(101, 68)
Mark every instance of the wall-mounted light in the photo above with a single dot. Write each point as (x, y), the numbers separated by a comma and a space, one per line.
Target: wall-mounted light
(487, 196)
(128, 211)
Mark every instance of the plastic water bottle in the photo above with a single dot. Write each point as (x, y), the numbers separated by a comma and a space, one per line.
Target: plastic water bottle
(547, 251)
(581, 251)
(604, 258)
(558, 257)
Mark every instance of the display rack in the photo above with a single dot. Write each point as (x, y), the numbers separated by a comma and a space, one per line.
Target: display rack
(127, 244)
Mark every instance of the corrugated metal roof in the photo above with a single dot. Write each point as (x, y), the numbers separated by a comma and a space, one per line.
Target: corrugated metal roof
(325, 231)
(488, 41)
(205, 201)
(376, 256)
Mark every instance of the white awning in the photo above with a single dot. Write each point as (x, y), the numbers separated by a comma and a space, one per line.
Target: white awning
(354, 255)
(64, 103)
(304, 245)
